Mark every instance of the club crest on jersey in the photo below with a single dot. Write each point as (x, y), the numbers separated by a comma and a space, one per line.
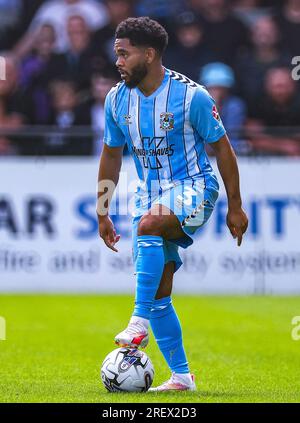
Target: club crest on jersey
(215, 113)
(127, 119)
(166, 121)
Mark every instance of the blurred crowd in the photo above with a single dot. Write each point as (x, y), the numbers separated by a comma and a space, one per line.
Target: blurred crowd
(60, 64)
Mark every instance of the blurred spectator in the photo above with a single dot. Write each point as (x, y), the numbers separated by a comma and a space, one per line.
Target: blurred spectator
(65, 115)
(35, 75)
(56, 13)
(277, 115)
(64, 102)
(15, 16)
(289, 22)
(92, 110)
(225, 34)
(78, 62)
(249, 11)
(163, 11)
(160, 9)
(104, 38)
(189, 53)
(219, 80)
(271, 3)
(10, 15)
(251, 66)
(12, 106)
(68, 51)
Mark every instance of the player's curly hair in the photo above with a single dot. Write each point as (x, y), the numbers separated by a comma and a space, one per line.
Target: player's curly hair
(143, 31)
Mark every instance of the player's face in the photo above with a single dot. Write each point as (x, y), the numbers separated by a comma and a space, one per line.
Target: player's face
(131, 62)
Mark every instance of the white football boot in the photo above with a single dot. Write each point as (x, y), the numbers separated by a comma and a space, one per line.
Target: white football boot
(134, 336)
(177, 382)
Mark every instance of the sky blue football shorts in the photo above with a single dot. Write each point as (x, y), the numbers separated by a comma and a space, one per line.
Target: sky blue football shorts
(192, 201)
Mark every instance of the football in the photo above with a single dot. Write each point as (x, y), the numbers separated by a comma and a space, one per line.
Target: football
(127, 370)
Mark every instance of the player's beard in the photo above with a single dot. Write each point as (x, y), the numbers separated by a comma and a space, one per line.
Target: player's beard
(138, 73)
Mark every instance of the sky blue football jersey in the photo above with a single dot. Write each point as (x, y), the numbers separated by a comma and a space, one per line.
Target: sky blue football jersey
(165, 132)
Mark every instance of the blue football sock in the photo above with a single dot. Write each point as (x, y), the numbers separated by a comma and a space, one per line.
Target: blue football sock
(167, 332)
(149, 269)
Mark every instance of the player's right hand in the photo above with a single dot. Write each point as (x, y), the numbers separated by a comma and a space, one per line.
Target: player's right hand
(108, 233)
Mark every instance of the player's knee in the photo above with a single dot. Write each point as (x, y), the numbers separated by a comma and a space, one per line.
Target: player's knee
(163, 292)
(150, 225)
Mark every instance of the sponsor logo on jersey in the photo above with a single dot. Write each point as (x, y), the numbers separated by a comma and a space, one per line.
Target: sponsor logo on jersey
(153, 149)
(166, 121)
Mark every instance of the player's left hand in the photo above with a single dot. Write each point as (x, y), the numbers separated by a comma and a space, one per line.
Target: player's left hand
(237, 223)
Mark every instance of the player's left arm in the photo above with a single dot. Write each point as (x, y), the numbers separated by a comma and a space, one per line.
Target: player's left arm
(206, 121)
(237, 220)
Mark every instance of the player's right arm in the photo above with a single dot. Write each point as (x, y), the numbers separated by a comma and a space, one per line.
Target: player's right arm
(108, 175)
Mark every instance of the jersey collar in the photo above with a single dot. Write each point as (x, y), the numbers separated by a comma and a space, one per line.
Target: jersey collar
(158, 90)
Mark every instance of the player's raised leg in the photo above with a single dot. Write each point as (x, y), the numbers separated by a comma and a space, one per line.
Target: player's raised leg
(155, 226)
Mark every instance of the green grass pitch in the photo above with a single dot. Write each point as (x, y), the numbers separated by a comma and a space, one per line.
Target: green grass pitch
(240, 348)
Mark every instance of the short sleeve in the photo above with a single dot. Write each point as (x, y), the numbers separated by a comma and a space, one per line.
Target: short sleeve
(113, 136)
(204, 116)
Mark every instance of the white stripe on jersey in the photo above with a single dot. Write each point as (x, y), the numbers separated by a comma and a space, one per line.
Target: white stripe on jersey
(191, 151)
(114, 96)
(161, 107)
(134, 128)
